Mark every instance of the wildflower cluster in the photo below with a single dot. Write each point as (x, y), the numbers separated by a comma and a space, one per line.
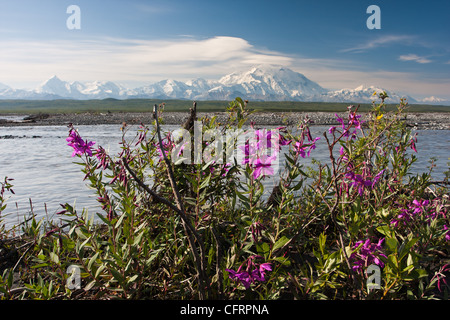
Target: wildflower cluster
(362, 181)
(349, 129)
(422, 211)
(213, 229)
(256, 151)
(250, 272)
(306, 143)
(80, 146)
(367, 253)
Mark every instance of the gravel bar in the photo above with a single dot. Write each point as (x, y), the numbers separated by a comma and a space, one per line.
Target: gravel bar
(422, 121)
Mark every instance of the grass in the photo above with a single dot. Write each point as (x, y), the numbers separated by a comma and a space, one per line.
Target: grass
(145, 105)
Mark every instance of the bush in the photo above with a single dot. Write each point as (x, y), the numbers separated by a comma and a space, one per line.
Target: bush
(180, 221)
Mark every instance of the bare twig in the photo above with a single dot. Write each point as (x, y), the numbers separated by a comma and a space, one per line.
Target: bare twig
(333, 212)
(201, 261)
(190, 231)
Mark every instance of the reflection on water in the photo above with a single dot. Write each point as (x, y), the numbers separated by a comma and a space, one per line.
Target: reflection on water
(40, 162)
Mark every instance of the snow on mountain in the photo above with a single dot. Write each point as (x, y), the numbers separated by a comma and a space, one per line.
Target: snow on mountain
(78, 90)
(262, 82)
(200, 84)
(101, 90)
(164, 89)
(271, 81)
(4, 87)
(435, 100)
(54, 86)
(362, 94)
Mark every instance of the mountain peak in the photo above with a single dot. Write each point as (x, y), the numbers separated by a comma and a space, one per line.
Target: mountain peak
(4, 87)
(54, 78)
(263, 82)
(270, 68)
(433, 99)
(274, 81)
(54, 85)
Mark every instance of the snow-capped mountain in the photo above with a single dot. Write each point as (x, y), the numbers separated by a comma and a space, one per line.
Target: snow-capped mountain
(435, 100)
(277, 82)
(3, 87)
(258, 83)
(78, 90)
(171, 89)
(362, 94)
(263, 83)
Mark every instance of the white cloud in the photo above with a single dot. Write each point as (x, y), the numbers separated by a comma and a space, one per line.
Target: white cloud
(138, 62)
(125, 60)
(414, 57)
(337, 74)
(381, 41)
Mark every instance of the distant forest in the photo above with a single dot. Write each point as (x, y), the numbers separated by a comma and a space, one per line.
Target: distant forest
(145, 105)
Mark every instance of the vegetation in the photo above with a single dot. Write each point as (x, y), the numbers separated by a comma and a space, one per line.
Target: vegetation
(141, 105)
(360, 226)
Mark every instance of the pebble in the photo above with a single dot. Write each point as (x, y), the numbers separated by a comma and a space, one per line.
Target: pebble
(423, 121)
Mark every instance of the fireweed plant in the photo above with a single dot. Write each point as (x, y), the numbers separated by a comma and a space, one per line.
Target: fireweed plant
(169, 229)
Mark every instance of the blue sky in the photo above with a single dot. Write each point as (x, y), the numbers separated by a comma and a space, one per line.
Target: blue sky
(140, 42)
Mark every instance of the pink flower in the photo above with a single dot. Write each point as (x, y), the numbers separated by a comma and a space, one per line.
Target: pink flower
(242, 276)
(79, 146)
(343, 154)
(413, 143)
(353, 121)
(263, 166)
(305, 149)
(252, 272)
(447, 234)
(360, 182)
(255, 152)
(103, 157)
(368, 254)
(441, 276)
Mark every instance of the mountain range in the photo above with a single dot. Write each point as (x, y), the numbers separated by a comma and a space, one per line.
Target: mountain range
(260, 83)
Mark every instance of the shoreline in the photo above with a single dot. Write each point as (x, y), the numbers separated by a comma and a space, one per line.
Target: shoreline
(421, 121)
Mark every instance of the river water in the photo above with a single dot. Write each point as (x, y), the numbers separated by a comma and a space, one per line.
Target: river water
(40, 162)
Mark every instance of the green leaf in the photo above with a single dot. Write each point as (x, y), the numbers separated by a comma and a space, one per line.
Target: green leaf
(408, 269)
(99, 270)
(298, 185)
(406, 247)
(132, 279)
(322, 240)
(410, 260)
(391, 244)
(385, 230)
(138, 239)
(10, 279)
(393, 262)
(280, 243)
(89, 285)
(54, 257)
(205, 182)
(283, 260)
(416, 274)
(119, 222)
(263, 249)
(153, 255)
(116, 274)
(104, 219)
(92, 260)
(40, 265)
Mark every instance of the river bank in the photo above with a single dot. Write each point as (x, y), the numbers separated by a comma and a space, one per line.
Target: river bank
(421, 121)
